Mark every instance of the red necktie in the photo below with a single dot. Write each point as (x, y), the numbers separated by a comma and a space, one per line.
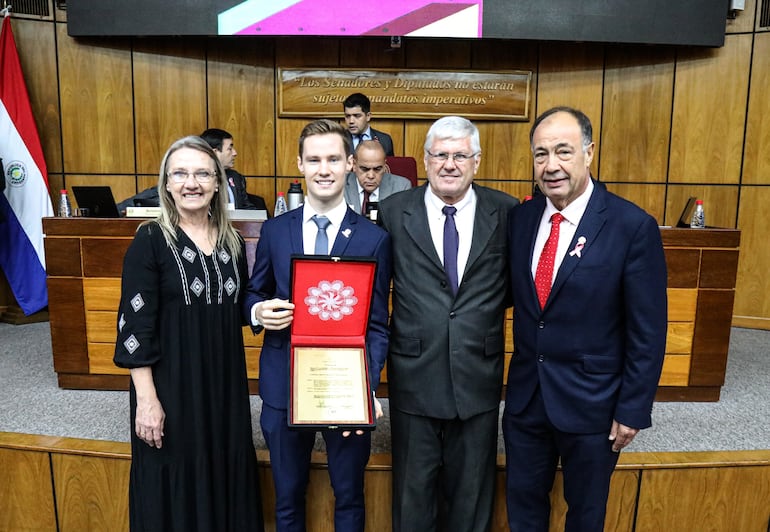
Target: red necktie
(544, 272)
(365, 203)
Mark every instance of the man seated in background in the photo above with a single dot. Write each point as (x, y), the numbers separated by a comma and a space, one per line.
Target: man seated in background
(357, 109)
(222, 143)
(370, 182)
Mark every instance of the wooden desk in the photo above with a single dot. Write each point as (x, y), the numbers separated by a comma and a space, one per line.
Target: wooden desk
(85, 258)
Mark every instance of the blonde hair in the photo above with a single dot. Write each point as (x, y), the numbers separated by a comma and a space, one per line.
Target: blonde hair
(168, 220)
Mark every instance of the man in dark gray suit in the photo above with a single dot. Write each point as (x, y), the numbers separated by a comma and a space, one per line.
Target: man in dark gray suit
(370, 182)
(357, 108)
(445, 361)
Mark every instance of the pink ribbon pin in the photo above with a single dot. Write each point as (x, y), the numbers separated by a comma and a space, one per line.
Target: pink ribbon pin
(578, 247)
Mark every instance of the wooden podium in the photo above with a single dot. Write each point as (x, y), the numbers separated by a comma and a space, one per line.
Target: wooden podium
(85, 260)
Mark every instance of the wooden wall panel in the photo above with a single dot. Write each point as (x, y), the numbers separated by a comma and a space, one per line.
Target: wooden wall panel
(719, 203)
(638, 88)
(571, 74)
(169, 96)
(651, 198)
(517, 189)
(708, 118)
(505, 145)
(720, 498)
(25, 491)
(37, 53)
(414, 142)
(753, 282)
(373, 52)
(91, 492)
(241, 98)
(96, 105)
(437, 53)
(756, 162)
(308, 52)
(287, 133)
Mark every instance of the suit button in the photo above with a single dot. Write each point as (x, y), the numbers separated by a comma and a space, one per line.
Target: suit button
(541, 325)
(443, 284)
(540, 358)
(452, 315)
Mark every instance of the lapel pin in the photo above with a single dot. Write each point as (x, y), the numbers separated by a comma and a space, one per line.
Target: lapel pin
(578, 247)
(346, 233)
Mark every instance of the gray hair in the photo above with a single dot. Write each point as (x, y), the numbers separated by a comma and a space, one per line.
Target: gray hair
(453, 128)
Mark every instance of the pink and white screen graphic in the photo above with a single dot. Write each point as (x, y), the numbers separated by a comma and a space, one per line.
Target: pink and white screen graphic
(398, 18)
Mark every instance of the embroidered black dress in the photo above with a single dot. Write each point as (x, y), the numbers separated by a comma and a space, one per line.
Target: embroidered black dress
(180, 313)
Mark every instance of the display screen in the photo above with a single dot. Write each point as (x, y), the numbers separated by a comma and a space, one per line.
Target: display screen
(685, 22)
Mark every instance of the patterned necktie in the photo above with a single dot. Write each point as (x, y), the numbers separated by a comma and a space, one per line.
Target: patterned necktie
(365, 203)
(451, 243)
(544, 272)
(321, 239)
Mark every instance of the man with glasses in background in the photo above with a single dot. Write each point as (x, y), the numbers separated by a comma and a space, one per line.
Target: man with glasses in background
(445, 360)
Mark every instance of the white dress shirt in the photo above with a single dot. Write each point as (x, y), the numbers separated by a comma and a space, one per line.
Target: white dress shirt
(366, 135)
(464, 219)
(310, 229)
(374, 195)
(572, 213)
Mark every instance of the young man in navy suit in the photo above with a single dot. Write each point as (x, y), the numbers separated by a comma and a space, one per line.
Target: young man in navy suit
(325, 157)
(588, 279)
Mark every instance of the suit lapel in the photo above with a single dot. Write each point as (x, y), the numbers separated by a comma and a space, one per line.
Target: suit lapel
(351, 191)
(345, 234)
(484, 224)
(589, 228)
(385, 186)
(295, 231)
(416, 225)
(530, 228)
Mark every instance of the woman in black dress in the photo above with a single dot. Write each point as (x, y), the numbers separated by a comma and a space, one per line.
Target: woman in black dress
(179, 331)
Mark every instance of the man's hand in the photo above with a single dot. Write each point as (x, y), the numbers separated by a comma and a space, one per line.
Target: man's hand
(274, 314)
(621, 436)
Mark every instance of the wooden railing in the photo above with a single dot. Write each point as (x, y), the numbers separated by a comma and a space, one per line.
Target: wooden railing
(82, 485)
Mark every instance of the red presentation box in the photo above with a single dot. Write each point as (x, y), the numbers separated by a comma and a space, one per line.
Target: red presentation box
(329, 370)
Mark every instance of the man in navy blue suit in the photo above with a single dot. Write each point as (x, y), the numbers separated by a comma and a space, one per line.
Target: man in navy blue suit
(589, 330)
(325, 157)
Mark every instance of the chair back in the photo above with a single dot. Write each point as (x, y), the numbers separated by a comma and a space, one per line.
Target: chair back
(403, 166)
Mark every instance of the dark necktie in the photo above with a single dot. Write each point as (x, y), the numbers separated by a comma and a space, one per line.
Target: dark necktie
(321, 239)
(451, 243)
(544, 272)
(365, 203)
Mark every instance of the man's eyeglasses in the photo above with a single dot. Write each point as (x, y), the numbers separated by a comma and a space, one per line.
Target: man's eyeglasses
(458, 158)
(201, 176)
